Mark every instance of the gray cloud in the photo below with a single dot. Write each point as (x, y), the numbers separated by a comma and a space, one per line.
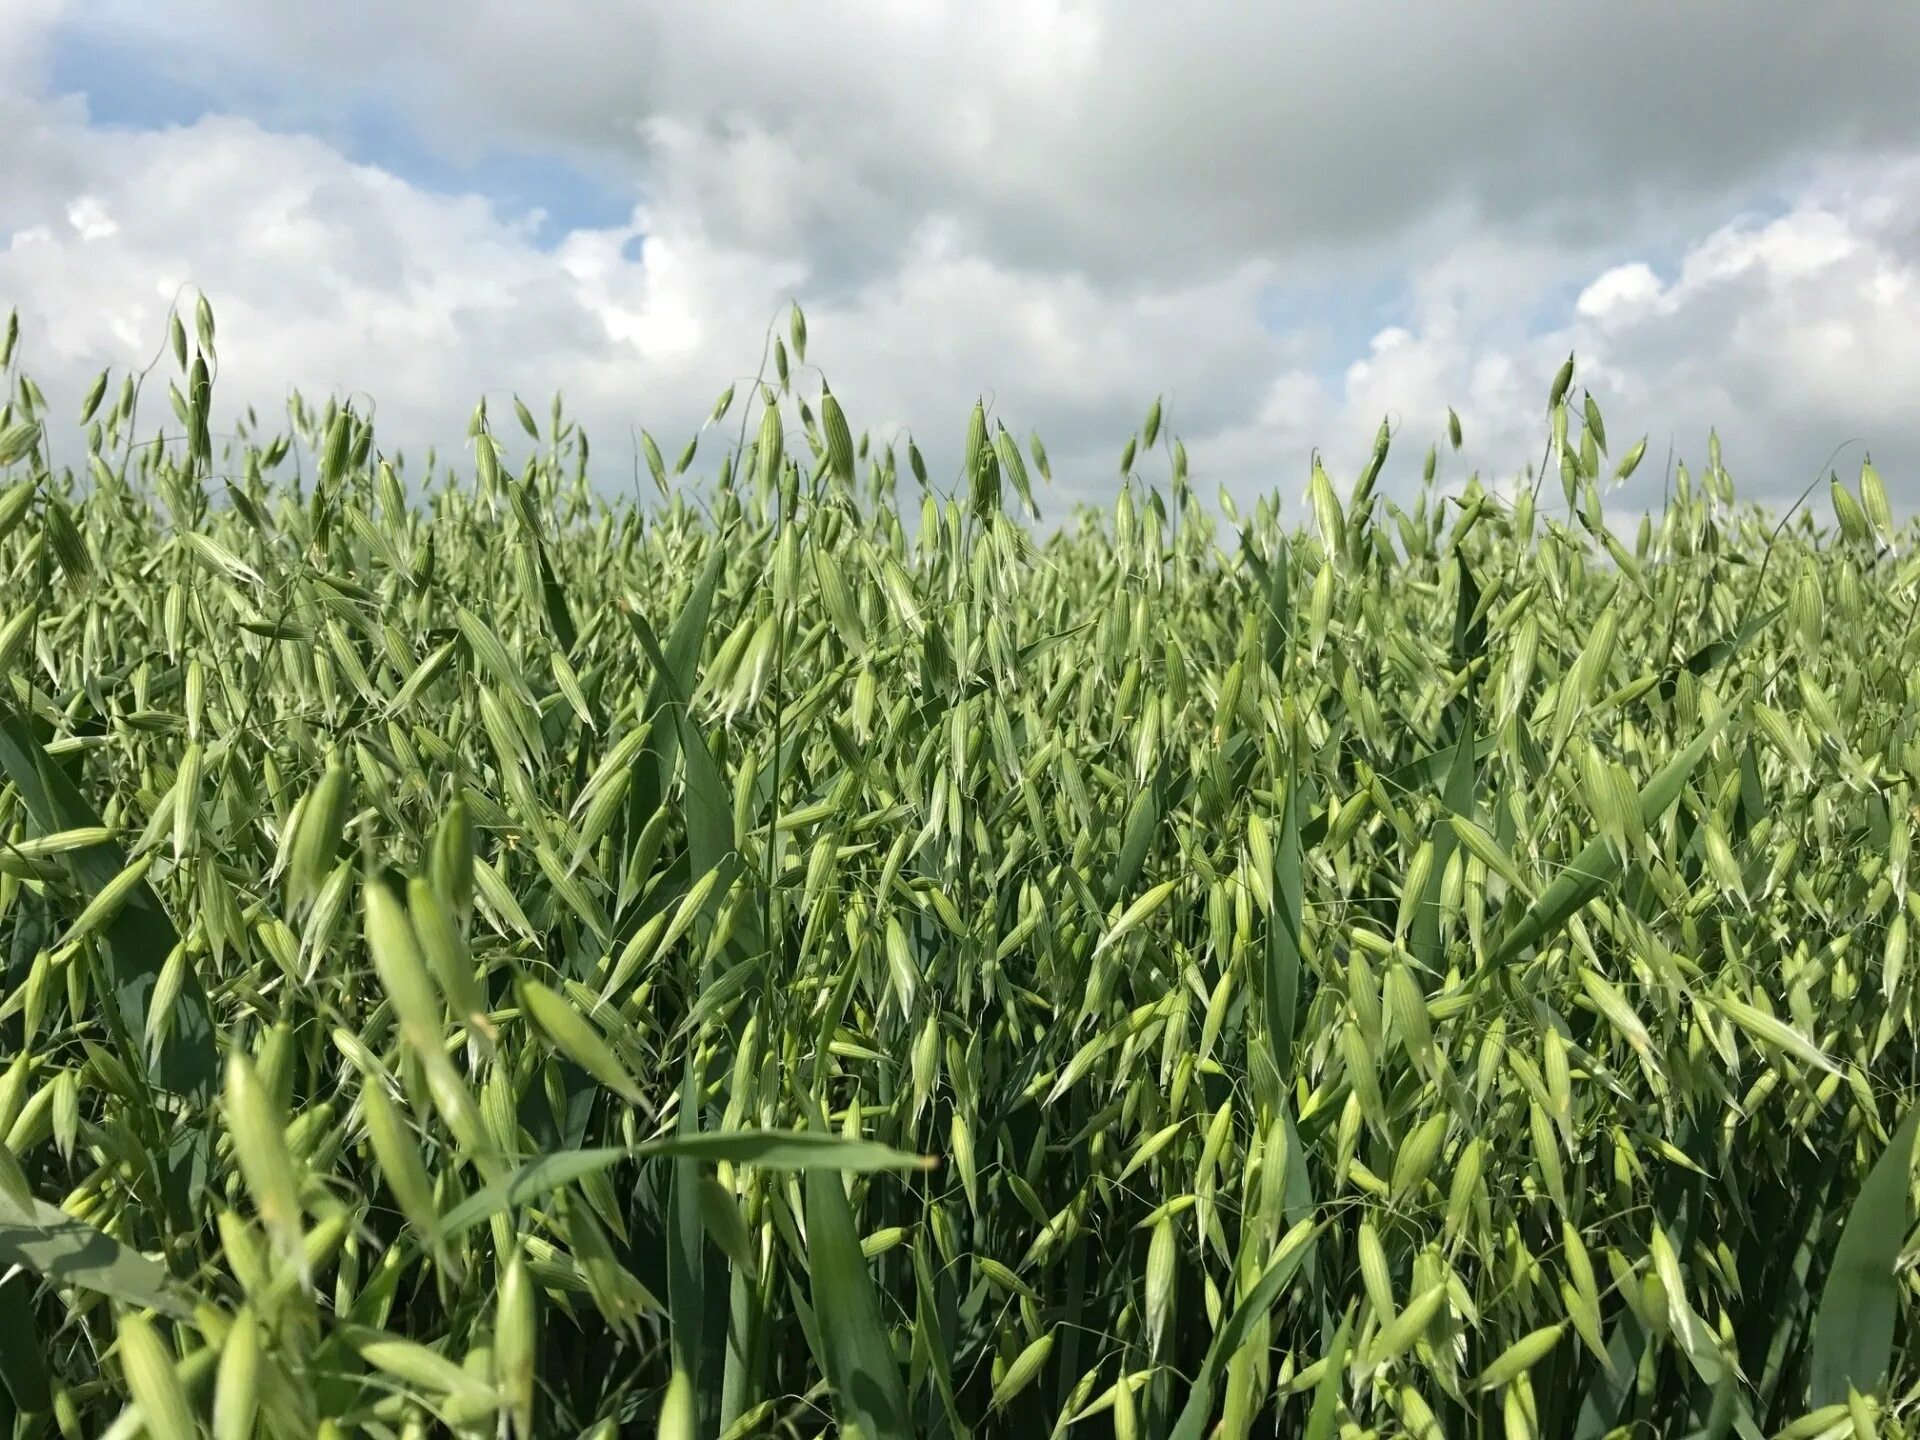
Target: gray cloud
(1125, 140)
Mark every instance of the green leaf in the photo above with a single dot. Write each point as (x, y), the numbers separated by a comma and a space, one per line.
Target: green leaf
(1433, 767)
(61, 1249)
(553, 596)
(686, 1248)
(1423, 938)
(1281, 983)
(1598, 865)
(771, 1149)
(1279, 618)
(1853, 1329)
(855, 1350)
(1326, 1395)
(1717, 652)
(1228, 1339)
(709, 808)
(138, 938)
(23, 1364)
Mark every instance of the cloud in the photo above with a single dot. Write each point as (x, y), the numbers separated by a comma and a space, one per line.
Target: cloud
(1794, 335)
(1067, 207)
(1123, 139)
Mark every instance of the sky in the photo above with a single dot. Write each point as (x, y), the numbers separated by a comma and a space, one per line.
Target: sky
(1288, 221)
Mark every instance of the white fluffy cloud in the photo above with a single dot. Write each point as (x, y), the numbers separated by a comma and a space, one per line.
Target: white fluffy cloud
(1069, 207)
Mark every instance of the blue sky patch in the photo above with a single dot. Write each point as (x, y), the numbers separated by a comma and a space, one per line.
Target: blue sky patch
(1348, 316)
(126, 89)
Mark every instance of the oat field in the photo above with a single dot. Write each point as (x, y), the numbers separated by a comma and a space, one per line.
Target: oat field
(809, 950)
